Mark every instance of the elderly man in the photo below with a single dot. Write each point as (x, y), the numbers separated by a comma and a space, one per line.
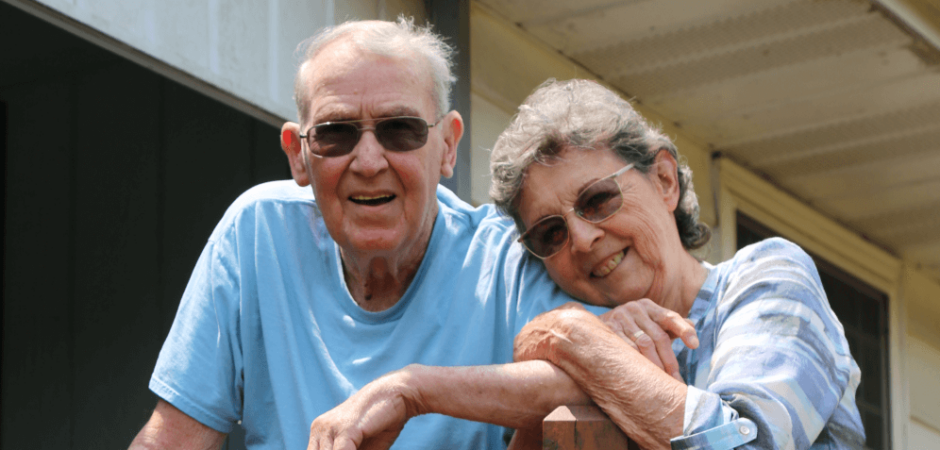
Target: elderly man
(301, 297)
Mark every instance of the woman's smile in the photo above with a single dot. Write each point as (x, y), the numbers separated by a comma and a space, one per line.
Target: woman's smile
(608, 266)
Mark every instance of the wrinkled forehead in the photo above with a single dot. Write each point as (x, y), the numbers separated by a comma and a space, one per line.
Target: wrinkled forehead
(343, 66)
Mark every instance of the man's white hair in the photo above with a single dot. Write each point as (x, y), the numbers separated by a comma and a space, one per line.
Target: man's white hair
(401, 39)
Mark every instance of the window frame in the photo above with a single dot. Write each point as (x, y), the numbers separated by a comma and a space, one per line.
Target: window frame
(740, 190)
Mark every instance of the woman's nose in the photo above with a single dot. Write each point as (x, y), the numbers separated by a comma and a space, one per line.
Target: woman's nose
(582, 234)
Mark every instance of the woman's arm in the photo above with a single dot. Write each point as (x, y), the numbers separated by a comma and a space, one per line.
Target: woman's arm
(774, 353)
(645, 402)
(773, 370)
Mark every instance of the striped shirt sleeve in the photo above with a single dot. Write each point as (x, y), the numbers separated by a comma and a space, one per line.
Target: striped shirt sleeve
(779, 365)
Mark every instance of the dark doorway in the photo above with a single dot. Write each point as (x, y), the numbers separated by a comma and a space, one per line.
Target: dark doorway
(114, 179)
(863, 311)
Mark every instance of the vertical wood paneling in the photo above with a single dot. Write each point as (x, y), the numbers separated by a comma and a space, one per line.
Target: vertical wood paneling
(207, 165)
(116, 270)
(115, 177)
(36, 375)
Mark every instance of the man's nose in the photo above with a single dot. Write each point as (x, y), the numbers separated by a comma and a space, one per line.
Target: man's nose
(582, 234)
(369, 155)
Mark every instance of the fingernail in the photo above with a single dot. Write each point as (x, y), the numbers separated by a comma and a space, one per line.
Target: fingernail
(694, 341)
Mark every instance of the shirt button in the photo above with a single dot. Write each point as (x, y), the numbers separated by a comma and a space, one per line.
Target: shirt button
(745, 430)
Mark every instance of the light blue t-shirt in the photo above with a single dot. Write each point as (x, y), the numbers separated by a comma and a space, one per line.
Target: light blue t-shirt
(267, 333)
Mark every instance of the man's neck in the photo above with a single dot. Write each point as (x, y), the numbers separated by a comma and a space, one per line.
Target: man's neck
(378, 281)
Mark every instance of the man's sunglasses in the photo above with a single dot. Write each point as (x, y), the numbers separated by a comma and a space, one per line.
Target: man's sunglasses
(595, 204)
(396, 134)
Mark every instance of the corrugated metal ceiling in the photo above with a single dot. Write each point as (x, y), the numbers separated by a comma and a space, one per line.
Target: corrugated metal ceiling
(835, 101)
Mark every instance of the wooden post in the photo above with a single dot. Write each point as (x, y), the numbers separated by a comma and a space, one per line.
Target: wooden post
(582, 428)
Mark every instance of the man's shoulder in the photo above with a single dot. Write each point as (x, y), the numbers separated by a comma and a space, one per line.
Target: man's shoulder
(281, 190)
(264, 200)
(461, 213)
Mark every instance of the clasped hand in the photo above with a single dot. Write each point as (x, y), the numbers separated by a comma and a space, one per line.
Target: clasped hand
(642, 324)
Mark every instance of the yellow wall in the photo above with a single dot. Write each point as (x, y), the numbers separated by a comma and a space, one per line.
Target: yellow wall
(507, 64)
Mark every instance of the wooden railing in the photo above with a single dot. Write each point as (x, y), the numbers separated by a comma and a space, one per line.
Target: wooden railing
(582, 428)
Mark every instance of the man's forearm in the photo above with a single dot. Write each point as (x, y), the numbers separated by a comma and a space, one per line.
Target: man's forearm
(516, 395)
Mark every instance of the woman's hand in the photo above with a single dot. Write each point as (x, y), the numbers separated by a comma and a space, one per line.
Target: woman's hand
(650, 329)
(540, 338)
(641, 398)
(371, 419)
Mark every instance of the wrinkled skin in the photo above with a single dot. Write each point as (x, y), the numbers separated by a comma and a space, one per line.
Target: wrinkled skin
(369, 420)
(645, 402)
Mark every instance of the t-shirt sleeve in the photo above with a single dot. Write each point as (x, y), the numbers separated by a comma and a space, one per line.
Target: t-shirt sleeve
(780, 360)
(199, 369)
(536, 291)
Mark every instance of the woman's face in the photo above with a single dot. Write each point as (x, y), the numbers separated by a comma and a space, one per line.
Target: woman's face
(632, 255)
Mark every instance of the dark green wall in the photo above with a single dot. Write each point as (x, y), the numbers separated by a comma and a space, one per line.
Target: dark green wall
(114, 178)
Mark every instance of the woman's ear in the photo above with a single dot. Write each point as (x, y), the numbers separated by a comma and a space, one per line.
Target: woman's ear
(290, 143)
(666, 178)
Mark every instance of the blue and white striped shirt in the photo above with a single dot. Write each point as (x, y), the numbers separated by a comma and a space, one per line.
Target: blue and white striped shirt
(773, 369)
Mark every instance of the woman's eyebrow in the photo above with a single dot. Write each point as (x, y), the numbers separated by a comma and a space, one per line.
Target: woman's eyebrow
(586, 185)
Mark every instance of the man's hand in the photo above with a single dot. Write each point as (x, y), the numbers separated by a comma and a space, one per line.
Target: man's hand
(650, 329)
(369, 420)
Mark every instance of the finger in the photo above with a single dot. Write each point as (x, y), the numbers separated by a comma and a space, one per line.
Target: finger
(662, 343)
(644, 343)
(647, 347)
(671, 322)
(617, 327)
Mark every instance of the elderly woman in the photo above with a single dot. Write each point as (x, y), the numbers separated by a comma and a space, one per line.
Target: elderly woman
(603, 200)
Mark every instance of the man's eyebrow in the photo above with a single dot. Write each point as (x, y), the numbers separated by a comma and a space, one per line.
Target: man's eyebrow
(399, 111)
(334, 116)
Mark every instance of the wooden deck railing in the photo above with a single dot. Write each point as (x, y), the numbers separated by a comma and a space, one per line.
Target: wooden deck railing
(582, 428)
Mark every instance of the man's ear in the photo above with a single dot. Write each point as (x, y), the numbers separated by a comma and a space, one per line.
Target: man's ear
(666, 177)
(290, 143)
(452, 129)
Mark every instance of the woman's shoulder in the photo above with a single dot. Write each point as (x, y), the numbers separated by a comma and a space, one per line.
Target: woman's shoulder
(772, 268)
(772, 252)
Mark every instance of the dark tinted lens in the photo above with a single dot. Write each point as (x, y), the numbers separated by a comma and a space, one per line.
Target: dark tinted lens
(547, 237)
(402, 134)
(599, 201)
(335, 139)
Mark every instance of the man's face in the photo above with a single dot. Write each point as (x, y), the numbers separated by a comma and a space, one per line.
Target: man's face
(375, 201)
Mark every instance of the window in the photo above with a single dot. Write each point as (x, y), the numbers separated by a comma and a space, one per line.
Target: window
(863, 311)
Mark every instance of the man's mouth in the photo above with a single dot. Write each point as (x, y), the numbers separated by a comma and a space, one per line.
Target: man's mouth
(371, 200)
(610, 265)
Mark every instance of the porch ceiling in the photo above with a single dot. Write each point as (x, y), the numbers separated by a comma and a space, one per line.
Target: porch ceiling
(835, 101)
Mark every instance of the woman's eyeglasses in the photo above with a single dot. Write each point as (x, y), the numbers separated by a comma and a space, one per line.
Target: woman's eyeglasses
(595, 204)
(396, 134)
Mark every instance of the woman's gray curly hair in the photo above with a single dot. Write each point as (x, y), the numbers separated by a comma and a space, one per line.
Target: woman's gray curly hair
(584, 114)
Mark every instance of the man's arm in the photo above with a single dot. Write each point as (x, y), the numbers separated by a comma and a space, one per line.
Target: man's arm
(517, 395)
(170, 428)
